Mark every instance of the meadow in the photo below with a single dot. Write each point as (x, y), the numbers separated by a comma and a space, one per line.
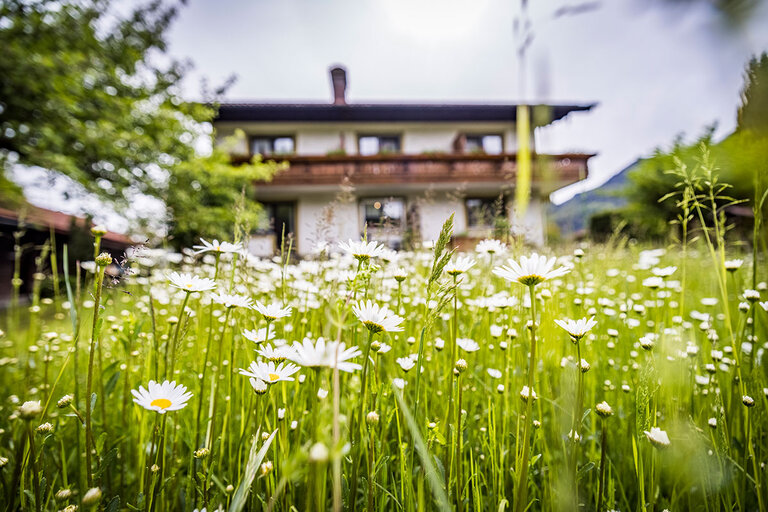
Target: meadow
(611, 377)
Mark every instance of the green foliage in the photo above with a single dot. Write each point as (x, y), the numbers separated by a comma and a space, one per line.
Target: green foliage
(80, 96)
(753, 112)
(203, 191)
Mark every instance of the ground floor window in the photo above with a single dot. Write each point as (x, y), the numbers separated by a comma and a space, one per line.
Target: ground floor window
(485, 212)
(281, 220)
(384, 218)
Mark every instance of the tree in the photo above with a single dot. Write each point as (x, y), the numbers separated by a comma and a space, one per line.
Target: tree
(81, 94)
(203, 192)
(753, 111)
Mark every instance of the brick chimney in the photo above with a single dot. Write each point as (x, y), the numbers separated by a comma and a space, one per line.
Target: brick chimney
(339, 83)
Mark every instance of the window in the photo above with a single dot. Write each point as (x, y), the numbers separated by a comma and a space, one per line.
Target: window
(280, 220)
(382, 212)
(488, 144)
(272, 145)
(377, 144)
(485, 211)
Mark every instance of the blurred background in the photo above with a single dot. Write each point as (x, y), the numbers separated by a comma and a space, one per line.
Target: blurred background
(314, 121)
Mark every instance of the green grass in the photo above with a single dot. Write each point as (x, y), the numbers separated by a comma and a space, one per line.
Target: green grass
(326, 453)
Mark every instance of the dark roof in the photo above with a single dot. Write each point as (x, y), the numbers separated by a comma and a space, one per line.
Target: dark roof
(380, 112)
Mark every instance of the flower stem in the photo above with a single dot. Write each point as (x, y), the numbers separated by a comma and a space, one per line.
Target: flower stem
(89, 380)
(521, 495)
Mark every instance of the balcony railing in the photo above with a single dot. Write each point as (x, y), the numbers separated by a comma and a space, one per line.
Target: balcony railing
(426, 168)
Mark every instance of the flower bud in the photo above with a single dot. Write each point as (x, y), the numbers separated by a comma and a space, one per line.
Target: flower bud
(603, 409)
(372, 418)
(98, 230)
(92, 497)
(266, 468)
(202, 453)
(318, 453)
(460, 366)
(64, 401)
(45, 428)
(63, 494)
(748, 401)
(103, 259)
(31, 409)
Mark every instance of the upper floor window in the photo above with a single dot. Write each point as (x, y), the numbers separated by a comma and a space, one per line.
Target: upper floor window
(378, 144)
(490, 144)
(272, 145)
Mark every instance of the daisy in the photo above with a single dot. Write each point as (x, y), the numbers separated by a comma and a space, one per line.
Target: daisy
(399, 274)
(493, 372)
(406, 363)
(733, 265)
(664, 272)
(467, 344)
(377, 318)
(258, 335)
(272, 311)
(531, 270)
(657, 437)
(270, 372)
(362, 250)
(459, 265)
(577, 328)
(162, 397)
(277, 354)
(320, 354)
(218, 247)
(232, 300)
(190, 283)
(490, 246)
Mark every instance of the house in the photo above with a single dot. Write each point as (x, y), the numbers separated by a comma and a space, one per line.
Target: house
(394, 170)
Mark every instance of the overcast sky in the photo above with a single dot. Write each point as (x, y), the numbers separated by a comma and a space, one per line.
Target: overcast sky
(655, 71)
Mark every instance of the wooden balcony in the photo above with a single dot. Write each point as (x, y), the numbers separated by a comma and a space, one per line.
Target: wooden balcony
(549, 170)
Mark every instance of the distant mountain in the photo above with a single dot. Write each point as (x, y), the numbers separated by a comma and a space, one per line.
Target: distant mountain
(573, 215)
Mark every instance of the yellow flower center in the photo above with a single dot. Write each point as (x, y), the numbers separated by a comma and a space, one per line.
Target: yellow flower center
(162, 403)
(273, 377)
(189, 285)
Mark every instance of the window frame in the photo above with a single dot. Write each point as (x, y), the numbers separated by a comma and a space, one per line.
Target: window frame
(396, 136)
(271, 139)
(481, 136)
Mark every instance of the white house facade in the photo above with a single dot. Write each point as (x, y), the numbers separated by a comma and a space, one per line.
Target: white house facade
(395, 171)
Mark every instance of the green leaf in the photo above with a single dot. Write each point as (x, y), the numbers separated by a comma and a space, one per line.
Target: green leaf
(433, 479)
(254, 461)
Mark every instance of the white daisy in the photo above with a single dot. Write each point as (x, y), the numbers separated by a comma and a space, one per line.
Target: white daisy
(272, 311)
(459, 265)
(467, 344)
(162, 397)
(577, 328)
(664, 271)
(277, 354)
(232, 300)
(361, 250)
(733, 265)
(493, 372)
(377, 318)
(406, 363)
(657, 437)
(322, 354)
(216, 246)
(258, 335)
(190, 283)
(270, 372)
(531, 270)
(490, 246)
